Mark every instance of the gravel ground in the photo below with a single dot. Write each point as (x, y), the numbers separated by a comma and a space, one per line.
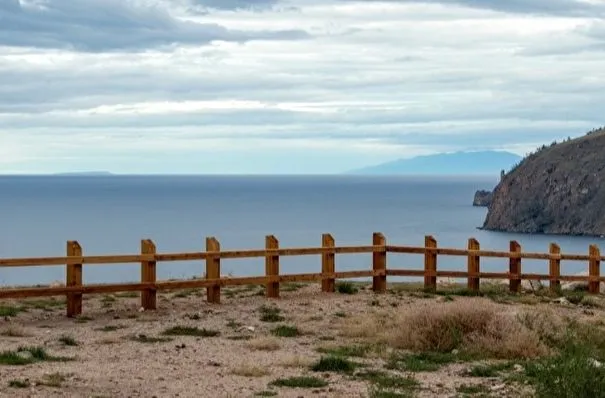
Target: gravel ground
(110, 360)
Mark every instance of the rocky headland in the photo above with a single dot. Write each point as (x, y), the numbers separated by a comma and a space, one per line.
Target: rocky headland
(482, 198)
(559, 189)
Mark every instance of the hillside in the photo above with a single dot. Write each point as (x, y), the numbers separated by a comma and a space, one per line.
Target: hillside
(481, 162)
(557, 190)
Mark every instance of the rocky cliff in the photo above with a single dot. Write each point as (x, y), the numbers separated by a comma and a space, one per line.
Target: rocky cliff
(482, 198)
(559, 189)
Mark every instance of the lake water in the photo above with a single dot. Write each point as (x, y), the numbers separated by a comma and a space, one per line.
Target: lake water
(111, 214)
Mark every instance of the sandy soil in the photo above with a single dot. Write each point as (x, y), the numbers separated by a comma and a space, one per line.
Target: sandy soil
(240, 362)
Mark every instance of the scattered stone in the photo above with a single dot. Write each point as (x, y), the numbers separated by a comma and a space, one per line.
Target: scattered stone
(214, 363)
(455, 351)
(141, 309)
(518, 368)
(498, 387)
(561, 300)
(595, 363)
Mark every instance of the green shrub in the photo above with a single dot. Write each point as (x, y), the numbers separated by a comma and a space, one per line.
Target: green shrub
(333, 364)
(346, 288)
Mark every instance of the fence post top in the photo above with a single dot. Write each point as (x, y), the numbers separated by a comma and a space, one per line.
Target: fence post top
(270, 238)
(554, 247)
(327, 239)
(594, 249)
(147, 244)
(212, 243)
(515, 246)
(472, 242)
(430, 238)
(74, 245)
(378, 238)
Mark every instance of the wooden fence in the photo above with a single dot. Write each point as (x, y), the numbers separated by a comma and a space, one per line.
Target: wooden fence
(149, 285)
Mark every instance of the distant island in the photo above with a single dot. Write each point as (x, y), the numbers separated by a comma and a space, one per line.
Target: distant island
(461, 163)
(85, 173)
(558, 189)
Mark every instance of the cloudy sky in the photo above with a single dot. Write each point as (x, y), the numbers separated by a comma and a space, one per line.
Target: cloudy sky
(290, 86)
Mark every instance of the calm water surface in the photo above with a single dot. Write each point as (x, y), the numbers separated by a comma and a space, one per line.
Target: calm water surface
(110, 215)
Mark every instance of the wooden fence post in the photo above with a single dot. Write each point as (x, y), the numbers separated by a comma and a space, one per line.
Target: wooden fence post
(328, 266)
(594, 270)
(430, 264)
(213, 270)
(272, 267)
(515, 267)
(148, 275)
(74, 278)
(474, 266)
(379, 262)
(555, 267)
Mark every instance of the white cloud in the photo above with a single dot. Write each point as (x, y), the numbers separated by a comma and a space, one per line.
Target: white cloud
(374, 80)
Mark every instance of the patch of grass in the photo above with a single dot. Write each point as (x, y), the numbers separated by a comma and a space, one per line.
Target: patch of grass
(472, 389)
(388, 381)
(359, 351)
(190, 331)
(384, 385)
(266, 393)
(250, 371)
(45, 304)
(18, 383)
(231, 323)
(333, 363)
(142, 338)
(53, 380)
(346, 288)
(26, 355)
(476, 328)
(421, 362)
(270, 314)
(571, 373)
(286, 331)
(489, 370)
(184, 293)
(13, 331)
(108, 299)
(300, 382)
(9, 310)
(264, 344)
(340, 314)
(291, 287)
(127, 295)
(83, 319)
(68, 340)
(110, 328)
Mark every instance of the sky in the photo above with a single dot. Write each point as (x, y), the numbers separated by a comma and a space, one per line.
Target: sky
(290, 86)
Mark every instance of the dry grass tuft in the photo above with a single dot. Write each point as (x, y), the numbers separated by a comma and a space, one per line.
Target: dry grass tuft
(475, 326)
(14, 331)
(296, 361)
(249, 370)
(264, 344)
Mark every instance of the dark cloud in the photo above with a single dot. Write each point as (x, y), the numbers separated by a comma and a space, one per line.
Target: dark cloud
(106, 25)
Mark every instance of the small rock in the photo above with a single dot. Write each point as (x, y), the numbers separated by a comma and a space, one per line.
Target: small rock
(595, 363)
(518, 368)
(561, 300)
(455, 352)
(498, 387)
(214, 363)
(141, 309)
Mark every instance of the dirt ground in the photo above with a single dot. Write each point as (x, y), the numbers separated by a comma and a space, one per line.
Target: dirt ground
(111, 349)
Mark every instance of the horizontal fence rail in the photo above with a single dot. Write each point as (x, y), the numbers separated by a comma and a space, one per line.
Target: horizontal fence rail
(213, 281)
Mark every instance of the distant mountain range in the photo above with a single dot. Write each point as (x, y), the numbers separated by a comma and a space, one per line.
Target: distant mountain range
(85, 173)
(480, 162)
